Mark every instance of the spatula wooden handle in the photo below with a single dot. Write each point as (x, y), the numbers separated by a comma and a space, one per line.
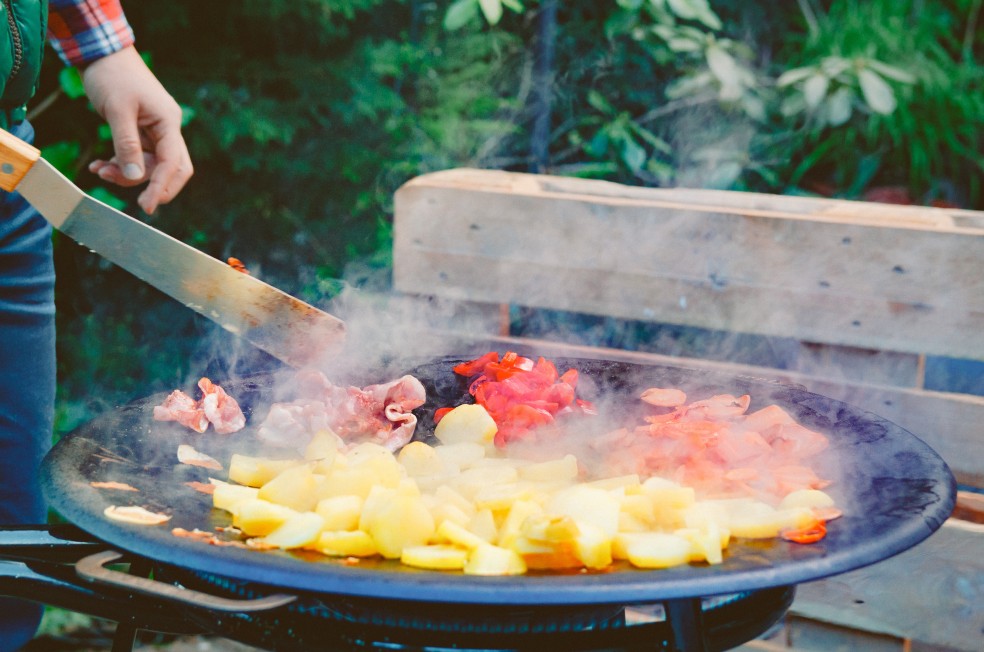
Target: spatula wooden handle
(16, 158)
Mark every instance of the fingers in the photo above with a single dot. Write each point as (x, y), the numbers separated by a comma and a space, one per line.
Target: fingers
(122, 119)
(170, 174)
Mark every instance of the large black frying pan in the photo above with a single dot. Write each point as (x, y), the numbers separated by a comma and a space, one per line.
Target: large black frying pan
(895, 491)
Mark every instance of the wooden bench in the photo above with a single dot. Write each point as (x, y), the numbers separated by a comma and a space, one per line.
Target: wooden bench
(858, 295)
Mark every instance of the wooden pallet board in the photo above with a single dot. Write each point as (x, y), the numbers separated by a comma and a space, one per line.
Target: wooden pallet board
(898, 280)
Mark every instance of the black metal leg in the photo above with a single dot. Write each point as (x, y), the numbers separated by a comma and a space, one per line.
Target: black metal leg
(686, 620)
(124, 638)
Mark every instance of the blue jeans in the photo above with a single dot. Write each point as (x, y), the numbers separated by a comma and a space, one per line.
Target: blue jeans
(27, 379)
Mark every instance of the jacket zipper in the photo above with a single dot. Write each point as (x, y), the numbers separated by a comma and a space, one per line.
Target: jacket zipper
(15, 37)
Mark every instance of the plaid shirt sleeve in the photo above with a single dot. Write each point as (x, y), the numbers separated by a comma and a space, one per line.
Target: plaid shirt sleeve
(84, 30)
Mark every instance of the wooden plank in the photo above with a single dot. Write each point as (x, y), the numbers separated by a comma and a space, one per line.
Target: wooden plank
(947, 423)
(506, 238)
(932, 594)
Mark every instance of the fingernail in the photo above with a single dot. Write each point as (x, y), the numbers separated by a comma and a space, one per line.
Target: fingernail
(132, 171)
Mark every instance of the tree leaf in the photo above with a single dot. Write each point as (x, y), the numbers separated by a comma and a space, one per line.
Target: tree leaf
(514, 5)
(631, 5)
(680, 44)
(815, 89)
(839, 106)
(833, 66)
(877, 93)
(598, 101)
(794, 75)
(722, 64)
(891, 72)
(70, 81)
(460, 13)
(633, 153)
(492, 10)
(685, 9)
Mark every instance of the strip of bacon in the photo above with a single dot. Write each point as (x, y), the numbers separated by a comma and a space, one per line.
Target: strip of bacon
(203, 487)
(188, 455)
(135, 515)
(378, 413)
(120, 486)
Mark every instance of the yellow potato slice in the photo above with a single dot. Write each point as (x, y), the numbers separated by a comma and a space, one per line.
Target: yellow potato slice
(657, 550)
(513, 523)
(225, 496)
(355, 543)
(593, 547)
(298, 531)
(257, 471)
(324, 446)
(460, 455)
(560, 470)
(340, 512)
(295, 487)
(256, 517)
(493, 560)
(402, 522)
(435, 557)
(466, 424)
(587, 504)
(483, 524)
(459, 536)
(420, 460)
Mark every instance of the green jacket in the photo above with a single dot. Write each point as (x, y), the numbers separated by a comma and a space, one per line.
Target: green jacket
(22, 38)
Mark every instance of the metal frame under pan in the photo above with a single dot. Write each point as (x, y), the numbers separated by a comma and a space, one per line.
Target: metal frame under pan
(895, 492)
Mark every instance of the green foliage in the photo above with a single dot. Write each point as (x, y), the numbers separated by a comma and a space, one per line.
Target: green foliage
(885, 84)
(304, 116)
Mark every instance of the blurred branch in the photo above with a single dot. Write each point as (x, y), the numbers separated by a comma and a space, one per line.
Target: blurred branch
(810, 16)
(543, 84)
(44, 104)
(970, 30)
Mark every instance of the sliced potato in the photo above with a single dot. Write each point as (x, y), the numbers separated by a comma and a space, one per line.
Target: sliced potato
(587, 504)
(459, 536)
(512, 525)
(657, 550)
(435, 557)
(340, 512)
(563, 469)
(460, 455)
(298, 531)
(225, 495)
(256, 517)
(493, 560)
(324, 446)
(257, 471)
(593, 547)
(483, 524)
(354, 543)
(421, 460)
(469, 423)
(295, 487)
(402, 522)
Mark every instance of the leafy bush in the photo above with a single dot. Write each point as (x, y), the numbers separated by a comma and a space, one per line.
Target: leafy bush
(309, 114)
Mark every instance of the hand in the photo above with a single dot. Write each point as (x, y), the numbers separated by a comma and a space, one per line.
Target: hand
(146, 125)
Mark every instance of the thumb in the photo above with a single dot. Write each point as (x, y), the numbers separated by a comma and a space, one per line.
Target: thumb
(126, 143)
